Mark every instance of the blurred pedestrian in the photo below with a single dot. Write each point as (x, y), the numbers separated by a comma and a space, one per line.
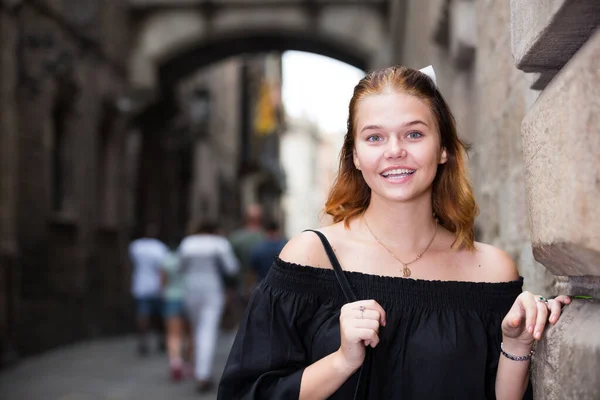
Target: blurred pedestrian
(147, 254)
(173, 313)
(243, 240)
(265, 252)
(205, 257)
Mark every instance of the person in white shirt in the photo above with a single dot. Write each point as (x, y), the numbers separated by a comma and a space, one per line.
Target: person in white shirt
(205, 258)
(146, 254)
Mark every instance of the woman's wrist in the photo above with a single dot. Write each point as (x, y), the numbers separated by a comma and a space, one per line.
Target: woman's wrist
(340, 364)
(516, 347)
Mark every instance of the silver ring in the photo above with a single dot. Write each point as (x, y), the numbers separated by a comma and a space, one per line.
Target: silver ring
(362, 312)
(543, 299)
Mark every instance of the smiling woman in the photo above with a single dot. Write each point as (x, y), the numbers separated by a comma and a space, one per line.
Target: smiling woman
(425, 125)
(341, 314)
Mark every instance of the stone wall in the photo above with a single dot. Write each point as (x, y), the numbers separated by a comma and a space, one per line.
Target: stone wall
(62, 140)
(503, 96)
(560, 42)
(534, 161)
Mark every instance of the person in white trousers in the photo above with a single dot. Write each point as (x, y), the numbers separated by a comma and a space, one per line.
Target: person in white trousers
(205, 257)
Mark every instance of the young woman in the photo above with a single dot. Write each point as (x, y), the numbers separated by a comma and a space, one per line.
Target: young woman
(435, 307)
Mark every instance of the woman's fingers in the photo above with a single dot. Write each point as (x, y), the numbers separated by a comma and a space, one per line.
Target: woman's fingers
(541, 318)
(356, 314)
(367, 314)
(361, 320)
(517, 316)
(530, 307)
(529, 315)
(367, 324)
(373, 305)
(368, 305)
(369, 336)
(563, 299)
(555, 306)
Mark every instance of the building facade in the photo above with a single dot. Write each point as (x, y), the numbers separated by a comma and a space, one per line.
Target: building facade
(64, 148)
(89, 160)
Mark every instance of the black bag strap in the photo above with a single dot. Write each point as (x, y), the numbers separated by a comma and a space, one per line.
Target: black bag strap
(360, 389)
(337, 268)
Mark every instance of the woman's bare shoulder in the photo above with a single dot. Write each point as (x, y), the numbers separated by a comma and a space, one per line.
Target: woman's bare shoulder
(306, 248)
(498, 265)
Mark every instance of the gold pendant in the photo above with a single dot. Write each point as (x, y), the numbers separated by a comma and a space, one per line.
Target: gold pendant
(405, 272)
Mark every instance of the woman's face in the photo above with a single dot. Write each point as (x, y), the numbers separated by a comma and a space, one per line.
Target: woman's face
(397, 146)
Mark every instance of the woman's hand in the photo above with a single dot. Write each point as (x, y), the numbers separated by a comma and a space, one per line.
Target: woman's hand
(526, 320)
(359, 327)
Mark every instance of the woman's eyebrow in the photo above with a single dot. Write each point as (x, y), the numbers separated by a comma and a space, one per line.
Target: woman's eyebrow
(415, 122)
(368, 127)
(410, 123)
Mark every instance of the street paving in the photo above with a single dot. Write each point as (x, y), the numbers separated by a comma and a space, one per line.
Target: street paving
(107, 369)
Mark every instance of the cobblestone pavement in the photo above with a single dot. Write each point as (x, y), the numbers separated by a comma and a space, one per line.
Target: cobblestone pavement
(108, 369)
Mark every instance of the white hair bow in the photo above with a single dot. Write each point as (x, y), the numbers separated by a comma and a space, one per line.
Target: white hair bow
(430, 73)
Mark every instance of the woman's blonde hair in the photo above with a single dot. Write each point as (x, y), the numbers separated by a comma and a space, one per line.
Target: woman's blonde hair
(452, 195)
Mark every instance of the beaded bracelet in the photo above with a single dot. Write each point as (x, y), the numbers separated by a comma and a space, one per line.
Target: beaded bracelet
(515, 358)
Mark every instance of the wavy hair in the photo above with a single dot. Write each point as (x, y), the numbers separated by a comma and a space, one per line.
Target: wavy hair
(452, 195)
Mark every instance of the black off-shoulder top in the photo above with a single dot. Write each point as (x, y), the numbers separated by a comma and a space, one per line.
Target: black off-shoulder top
(441, 341)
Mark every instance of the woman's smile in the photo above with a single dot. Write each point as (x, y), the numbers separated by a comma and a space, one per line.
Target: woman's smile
(397, 174)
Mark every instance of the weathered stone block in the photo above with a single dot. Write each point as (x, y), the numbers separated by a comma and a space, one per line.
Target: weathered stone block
(546, 34)
(561, 145)
(578, 285)
(567, 362)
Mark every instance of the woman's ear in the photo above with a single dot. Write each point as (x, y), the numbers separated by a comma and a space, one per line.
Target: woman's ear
(355, 159)
(443, 156)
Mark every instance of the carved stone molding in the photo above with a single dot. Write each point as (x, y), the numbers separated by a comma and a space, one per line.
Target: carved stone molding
(546, 34)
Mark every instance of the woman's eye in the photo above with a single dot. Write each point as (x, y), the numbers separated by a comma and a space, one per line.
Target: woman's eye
(414, 135)
(374, 138)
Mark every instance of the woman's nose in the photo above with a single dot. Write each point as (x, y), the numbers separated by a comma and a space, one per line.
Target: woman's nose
(396, 150)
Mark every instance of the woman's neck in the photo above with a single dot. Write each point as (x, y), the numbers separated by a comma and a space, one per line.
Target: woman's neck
(407, 226)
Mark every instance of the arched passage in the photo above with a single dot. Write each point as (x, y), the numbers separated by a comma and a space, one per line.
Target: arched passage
(198, 55)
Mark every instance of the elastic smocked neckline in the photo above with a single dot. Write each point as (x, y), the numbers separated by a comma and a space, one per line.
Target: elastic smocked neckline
(417, 293)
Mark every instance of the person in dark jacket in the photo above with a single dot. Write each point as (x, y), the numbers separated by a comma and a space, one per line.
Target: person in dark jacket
(265, 252)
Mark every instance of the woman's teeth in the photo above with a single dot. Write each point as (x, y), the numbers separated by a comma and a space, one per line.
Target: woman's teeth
(398, 172)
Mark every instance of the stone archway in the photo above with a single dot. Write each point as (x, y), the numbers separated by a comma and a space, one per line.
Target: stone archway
(199, 55)
(172, 42)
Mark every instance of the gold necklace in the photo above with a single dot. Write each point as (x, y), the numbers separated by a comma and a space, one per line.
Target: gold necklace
(405, 270)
